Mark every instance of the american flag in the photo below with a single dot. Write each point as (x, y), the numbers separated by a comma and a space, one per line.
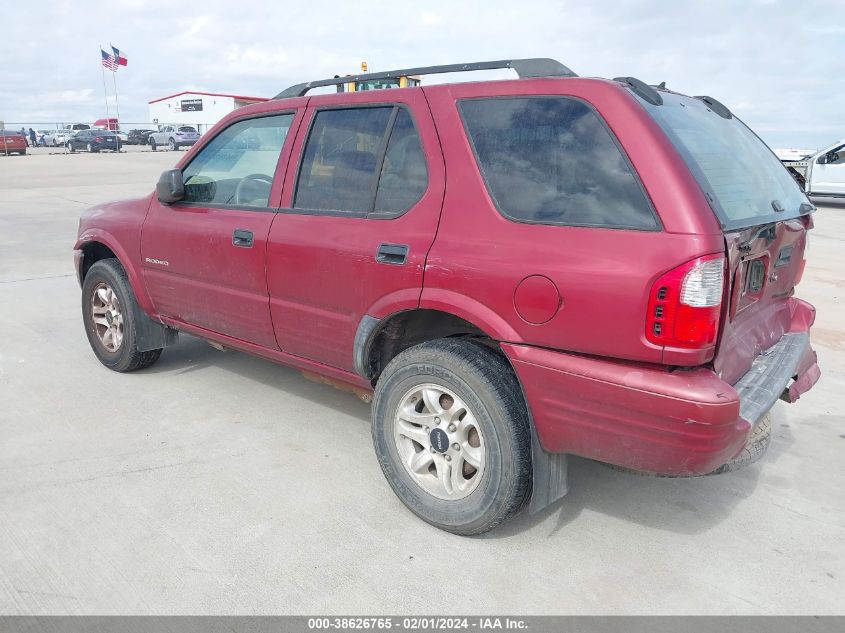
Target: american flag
(109, 61)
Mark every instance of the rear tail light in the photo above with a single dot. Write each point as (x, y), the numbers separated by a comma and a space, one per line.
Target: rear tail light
(99, 138)
(685, 303)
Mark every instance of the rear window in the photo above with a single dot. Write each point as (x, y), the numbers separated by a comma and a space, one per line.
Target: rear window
(552, 160)
(185, 128)
(738, 173)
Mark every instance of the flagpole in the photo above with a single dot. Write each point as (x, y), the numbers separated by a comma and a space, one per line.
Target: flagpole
(105, 92)
(116, 104)
(114, 78)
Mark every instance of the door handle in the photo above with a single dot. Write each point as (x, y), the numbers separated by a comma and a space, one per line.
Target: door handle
(242, 238)
(396, 254)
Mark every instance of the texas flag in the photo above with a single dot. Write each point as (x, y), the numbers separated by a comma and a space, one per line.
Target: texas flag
(119, 57)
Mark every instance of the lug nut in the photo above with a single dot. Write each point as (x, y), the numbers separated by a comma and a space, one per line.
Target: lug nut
(456, 446)
(437, 420)
(448, 458)
(452, 428)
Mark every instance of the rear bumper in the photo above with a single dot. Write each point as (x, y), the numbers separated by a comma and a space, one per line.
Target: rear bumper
(648, 418)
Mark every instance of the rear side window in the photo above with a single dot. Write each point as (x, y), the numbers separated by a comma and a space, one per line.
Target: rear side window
(362, 161)
(404, 176)
(552, 160)
(341, 160)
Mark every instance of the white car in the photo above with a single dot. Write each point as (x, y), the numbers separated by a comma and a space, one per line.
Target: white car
(57, 138)
(820, 173)
(174, 136)
(826, 171)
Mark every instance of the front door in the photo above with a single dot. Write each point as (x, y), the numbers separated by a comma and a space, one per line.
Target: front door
(353, 236)
(204, 257)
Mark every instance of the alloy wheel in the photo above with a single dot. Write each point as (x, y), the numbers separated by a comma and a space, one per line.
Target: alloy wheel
(107, 317)
(439, 442)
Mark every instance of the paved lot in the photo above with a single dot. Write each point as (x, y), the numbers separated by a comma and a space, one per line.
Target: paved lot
(220, 483)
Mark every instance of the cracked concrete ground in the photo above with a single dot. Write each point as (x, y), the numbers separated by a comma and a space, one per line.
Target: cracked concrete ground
(220, 483)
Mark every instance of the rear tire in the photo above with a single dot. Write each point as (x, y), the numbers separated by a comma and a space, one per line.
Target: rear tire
(172, 145)
(755, 448)
(90, 148)
(152, 144)
(444, 413)
(70, 148)
(109, 305)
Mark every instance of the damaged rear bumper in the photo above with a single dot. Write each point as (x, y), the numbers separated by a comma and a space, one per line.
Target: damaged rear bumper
(653, 418)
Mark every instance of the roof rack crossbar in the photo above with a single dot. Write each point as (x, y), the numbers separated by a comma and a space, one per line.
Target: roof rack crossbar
(525, 68)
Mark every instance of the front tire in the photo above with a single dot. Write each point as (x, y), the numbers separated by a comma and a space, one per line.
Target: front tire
(110, 314)
(451, 432)
(153, 144)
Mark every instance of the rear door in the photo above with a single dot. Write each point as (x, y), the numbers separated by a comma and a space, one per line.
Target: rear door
(204, 257)
(359, 215)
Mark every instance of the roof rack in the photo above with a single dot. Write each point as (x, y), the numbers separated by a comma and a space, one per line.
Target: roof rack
(525, 68)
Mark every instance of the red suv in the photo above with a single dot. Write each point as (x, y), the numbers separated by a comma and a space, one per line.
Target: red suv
(520, 270)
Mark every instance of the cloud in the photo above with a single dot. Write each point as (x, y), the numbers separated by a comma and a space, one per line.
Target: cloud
(772, 61)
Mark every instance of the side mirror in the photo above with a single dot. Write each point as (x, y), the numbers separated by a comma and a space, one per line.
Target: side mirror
(170, 187)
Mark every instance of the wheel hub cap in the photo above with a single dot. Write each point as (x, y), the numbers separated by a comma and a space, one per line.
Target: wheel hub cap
(439, 442)
(107, 317)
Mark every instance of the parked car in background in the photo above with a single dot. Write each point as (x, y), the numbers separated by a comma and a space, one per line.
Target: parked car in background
(821, 173)
(93, 141)
(174, 136)
(39, 137)
(512, 271)
(57, 138)
(122, 136)
(12, 143)
(78, 126)
(139, 137)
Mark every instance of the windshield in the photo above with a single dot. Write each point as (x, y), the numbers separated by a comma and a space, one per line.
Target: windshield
(744, 181)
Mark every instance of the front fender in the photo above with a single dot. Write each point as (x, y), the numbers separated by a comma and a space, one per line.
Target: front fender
(132, 269)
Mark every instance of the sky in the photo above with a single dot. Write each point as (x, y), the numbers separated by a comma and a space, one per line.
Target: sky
(777, 64)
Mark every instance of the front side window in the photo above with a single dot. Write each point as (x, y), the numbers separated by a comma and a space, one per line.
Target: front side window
(237, 166)
(551, 160)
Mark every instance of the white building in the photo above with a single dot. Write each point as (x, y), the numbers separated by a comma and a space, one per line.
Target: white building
(200, 109)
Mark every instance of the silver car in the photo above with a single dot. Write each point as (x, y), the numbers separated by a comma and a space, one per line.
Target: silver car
(174, 136)
(57, 138)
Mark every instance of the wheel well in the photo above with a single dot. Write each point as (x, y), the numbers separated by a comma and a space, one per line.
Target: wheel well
(405, 329)
(92, 253)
